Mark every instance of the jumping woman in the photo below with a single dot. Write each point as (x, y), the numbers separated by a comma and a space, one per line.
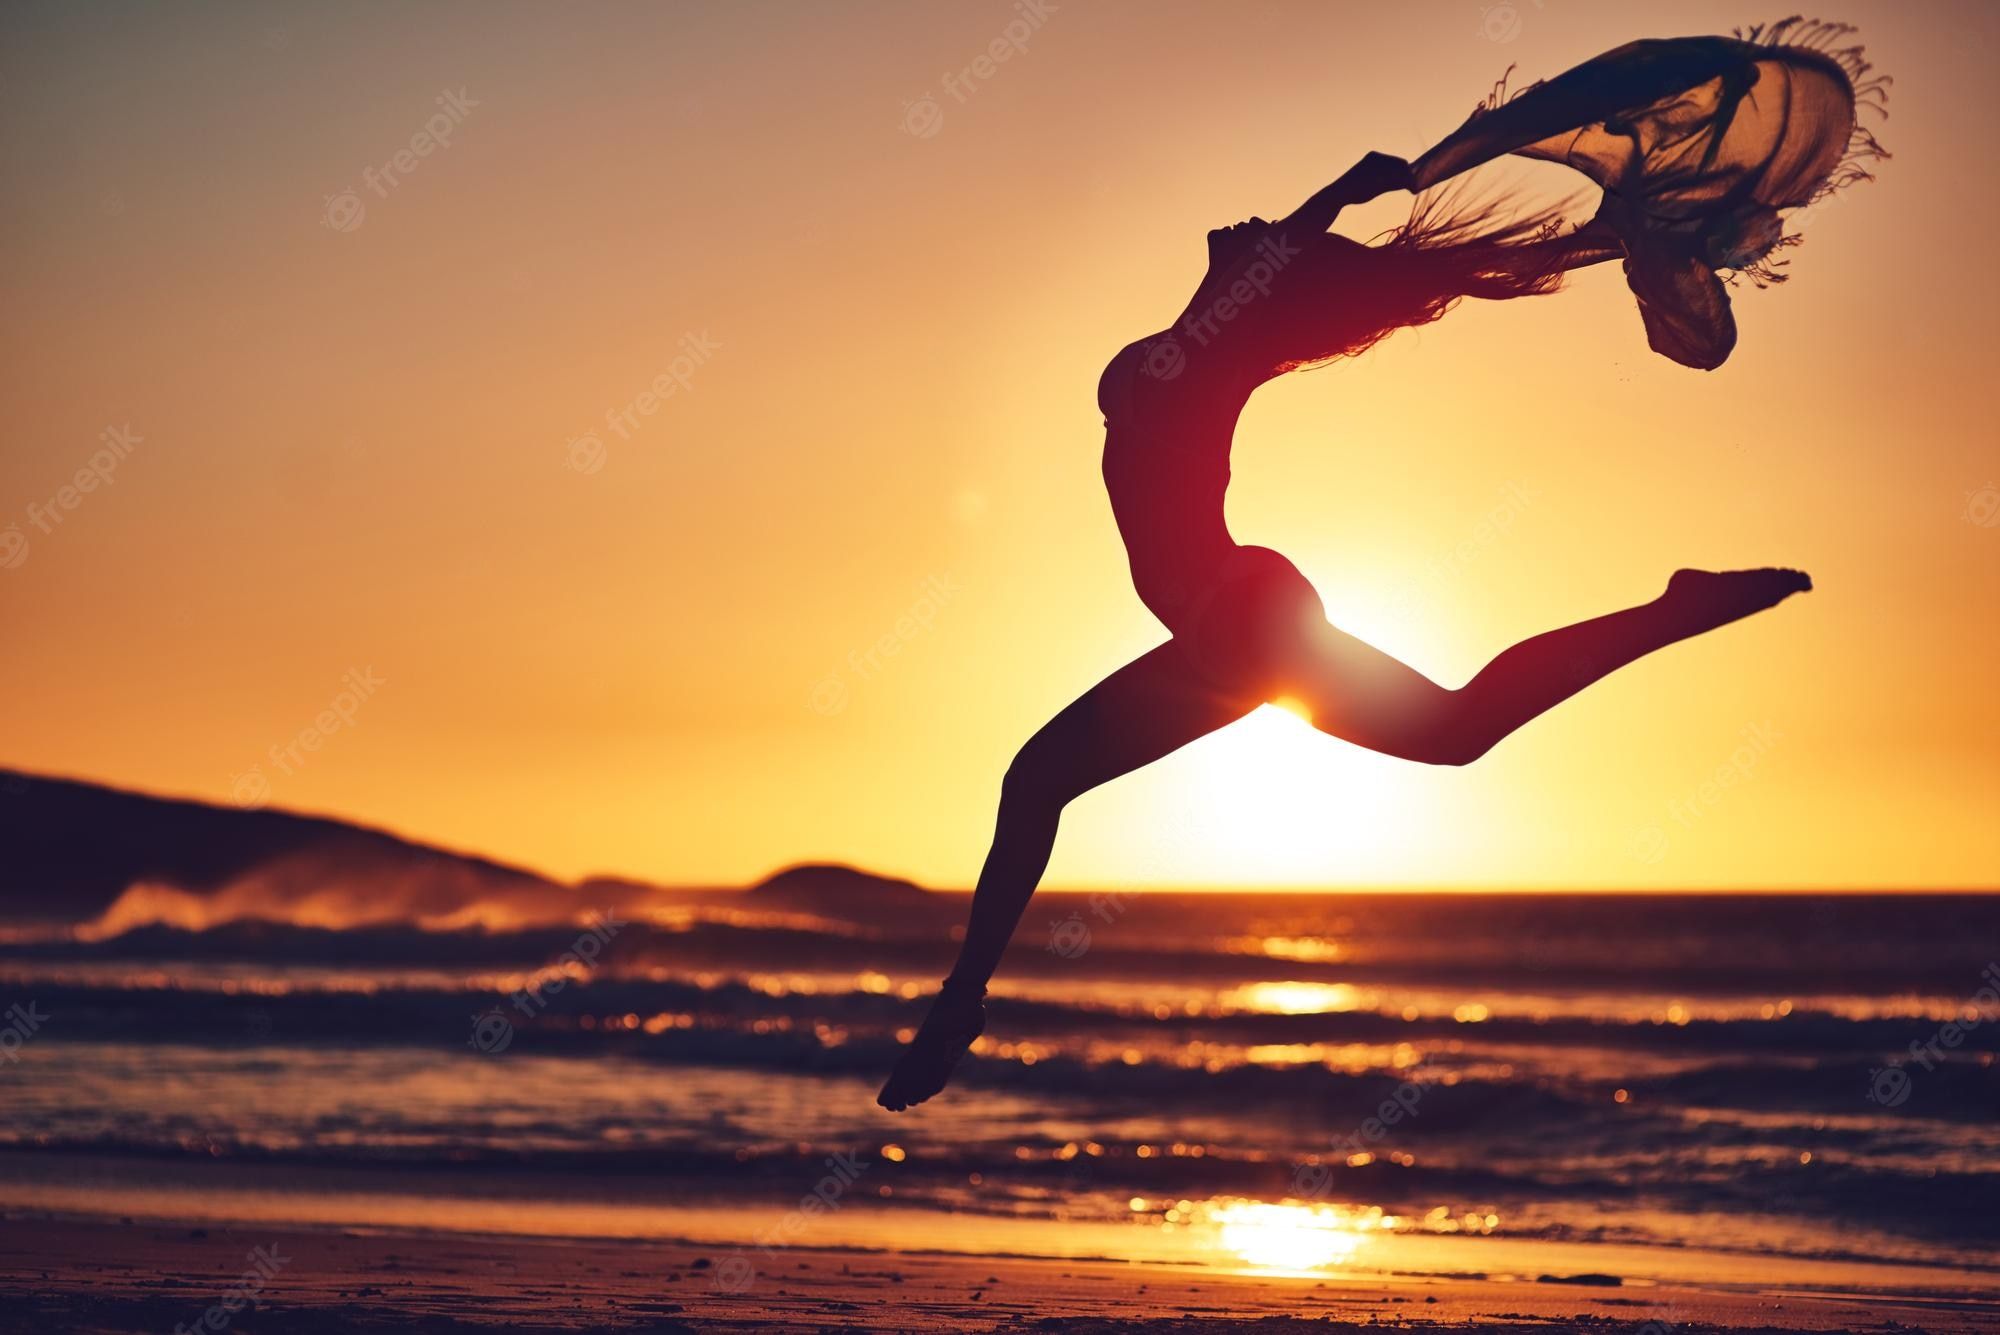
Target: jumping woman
(1246, 627)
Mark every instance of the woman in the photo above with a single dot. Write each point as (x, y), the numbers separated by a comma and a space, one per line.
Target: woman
(1245, 625)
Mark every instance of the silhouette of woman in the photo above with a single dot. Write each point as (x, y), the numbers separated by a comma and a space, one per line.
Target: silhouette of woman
(1246, 627)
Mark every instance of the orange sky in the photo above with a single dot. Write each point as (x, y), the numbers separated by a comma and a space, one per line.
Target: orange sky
(380, 438)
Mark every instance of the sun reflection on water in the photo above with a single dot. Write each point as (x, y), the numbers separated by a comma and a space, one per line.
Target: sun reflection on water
(1288, 1237)
(1295, 1237)
(1293, 998)
(1292, 1238)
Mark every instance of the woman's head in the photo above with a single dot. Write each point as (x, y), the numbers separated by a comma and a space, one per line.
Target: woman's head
(1227, 244)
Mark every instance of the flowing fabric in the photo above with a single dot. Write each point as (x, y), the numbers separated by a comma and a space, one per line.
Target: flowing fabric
(1699, 144)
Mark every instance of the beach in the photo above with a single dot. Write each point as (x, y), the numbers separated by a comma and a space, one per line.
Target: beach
(65, 1274)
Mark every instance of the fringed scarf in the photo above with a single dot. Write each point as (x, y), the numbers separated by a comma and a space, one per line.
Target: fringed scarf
(1700, 145)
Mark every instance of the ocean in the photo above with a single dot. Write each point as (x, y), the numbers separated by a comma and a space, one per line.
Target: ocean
(1781, 1089)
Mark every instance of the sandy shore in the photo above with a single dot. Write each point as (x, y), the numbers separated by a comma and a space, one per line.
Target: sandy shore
(62, 1274)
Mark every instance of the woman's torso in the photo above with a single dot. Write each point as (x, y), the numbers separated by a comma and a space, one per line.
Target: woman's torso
(1169, 420)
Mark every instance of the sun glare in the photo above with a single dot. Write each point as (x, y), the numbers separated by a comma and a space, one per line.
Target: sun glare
(1270, 800)
(1294, 707)
(1287, 1237)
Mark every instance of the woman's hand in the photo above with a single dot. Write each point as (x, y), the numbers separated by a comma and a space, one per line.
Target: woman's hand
(1376, 174)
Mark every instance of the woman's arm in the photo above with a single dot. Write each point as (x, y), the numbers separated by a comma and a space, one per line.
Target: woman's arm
(1376, 174)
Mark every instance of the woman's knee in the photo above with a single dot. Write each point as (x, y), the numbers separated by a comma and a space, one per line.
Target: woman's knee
(1444, 731)
(1034, 778)
(1454, 735)
(1453, 750)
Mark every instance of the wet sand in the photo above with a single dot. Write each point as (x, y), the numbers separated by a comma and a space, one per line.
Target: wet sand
(105, 1276)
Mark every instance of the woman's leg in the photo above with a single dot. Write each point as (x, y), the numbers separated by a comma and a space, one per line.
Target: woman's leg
(1359, 693)
(1154, 705)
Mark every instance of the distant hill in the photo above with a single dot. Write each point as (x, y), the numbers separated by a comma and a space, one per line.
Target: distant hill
(71, 851)
(84, 855)
(833, 885)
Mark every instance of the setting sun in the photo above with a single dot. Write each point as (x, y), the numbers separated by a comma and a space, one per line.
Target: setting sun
(1272, 801)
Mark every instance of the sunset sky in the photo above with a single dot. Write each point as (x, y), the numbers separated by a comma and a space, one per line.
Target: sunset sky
(385, 415)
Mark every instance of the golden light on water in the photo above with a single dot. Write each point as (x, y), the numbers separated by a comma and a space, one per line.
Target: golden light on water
(1293, 998)
(1296, 1237)
(1280, 1237)
(1305, 949)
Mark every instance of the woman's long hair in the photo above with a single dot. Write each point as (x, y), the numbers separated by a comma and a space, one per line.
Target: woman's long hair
(1343, 297)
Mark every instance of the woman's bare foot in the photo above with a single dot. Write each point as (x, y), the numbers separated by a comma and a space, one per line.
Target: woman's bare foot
(926, 1065)
(1710, 598)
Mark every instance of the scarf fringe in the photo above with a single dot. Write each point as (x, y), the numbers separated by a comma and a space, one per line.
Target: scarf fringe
(1830, 42)
(1794, 37)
